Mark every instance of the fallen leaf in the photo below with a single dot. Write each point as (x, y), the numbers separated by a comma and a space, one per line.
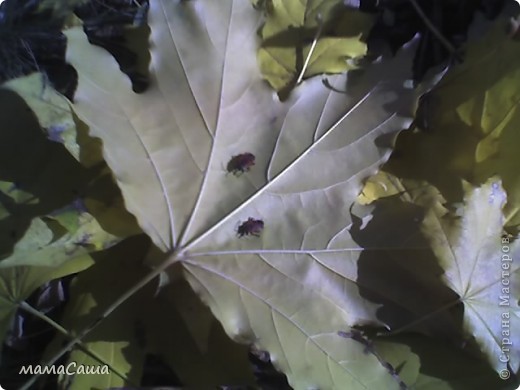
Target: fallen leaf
(478, 266)
(292, 288)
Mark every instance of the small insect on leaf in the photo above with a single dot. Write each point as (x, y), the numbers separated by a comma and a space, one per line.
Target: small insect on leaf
(251, 227)
(241, 163)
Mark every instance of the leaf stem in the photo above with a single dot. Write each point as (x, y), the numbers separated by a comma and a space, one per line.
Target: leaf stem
(311, 50)
(173, 258)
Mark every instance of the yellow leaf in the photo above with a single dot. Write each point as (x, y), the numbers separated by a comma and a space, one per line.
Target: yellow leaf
(289, 32)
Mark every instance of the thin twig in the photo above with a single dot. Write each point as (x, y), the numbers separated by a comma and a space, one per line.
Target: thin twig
(447, 44)
(130, 292)
(82, 347)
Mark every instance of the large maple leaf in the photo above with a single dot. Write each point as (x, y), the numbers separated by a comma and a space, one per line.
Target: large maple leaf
(291, 289)
(478, 264)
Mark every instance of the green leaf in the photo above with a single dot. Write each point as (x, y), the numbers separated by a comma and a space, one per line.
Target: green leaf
(45, 229)
(55, 116)
(293, 288)
(38, 176)
(53, 209)
(478, 266)
(59, 237)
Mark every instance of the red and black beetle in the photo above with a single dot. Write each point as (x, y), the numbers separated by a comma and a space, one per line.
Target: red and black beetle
(241, 163)
(251, 227)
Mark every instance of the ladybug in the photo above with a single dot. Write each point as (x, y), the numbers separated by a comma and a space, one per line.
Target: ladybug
(241, 163)
(250, 227)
